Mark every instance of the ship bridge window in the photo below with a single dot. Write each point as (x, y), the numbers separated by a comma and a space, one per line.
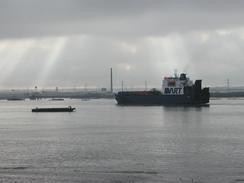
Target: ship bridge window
(171, 83)
(182, 76)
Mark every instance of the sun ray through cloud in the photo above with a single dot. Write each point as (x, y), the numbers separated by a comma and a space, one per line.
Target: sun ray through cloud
(51, 60)
(11, 54)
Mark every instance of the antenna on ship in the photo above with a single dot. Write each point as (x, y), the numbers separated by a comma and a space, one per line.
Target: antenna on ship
(175, 73)
(122, 85)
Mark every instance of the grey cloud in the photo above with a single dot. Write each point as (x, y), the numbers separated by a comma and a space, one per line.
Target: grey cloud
(216, 59)
(88, 59)
(126, 35)
(31, 18)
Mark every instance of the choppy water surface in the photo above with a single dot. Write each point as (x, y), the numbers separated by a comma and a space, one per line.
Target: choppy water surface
(103, 142)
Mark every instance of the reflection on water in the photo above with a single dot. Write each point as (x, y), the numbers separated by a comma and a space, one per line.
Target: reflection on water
(103, 142)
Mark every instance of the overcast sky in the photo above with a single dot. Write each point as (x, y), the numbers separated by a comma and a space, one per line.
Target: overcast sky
(72, 43)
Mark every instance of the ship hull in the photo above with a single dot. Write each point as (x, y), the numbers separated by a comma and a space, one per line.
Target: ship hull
(158, 100)
(194, 95)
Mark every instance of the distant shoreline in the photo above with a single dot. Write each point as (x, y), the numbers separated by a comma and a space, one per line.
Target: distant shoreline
(226, 94)
(33, 95)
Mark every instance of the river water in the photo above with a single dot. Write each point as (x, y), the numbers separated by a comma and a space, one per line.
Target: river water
(103, 142)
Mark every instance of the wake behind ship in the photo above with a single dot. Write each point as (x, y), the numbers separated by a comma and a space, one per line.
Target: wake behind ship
(175, 91)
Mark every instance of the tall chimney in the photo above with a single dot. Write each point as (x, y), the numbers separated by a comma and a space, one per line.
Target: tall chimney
(111, 80)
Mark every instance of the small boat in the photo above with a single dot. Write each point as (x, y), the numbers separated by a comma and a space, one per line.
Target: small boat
(15, 99)
(56, 99)
(56, 109)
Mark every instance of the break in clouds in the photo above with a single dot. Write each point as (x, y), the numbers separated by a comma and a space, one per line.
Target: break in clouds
(70, 43)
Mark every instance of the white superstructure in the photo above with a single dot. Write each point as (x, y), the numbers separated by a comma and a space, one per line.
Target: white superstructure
(175, 85)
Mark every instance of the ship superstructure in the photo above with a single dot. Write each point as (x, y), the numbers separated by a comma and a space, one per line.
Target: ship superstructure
(175, 85)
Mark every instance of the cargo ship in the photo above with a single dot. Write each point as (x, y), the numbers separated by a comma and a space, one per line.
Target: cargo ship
(176, 90)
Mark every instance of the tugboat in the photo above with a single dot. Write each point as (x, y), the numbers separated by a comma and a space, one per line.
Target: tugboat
(175, 91)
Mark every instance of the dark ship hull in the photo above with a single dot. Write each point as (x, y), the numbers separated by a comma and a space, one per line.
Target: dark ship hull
(193, 95)
(61, 109)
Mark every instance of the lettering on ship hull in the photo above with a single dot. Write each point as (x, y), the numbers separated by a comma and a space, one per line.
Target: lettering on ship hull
(173, 91)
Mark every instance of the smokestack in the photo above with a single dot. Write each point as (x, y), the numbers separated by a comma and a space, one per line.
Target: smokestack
(111, 80)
